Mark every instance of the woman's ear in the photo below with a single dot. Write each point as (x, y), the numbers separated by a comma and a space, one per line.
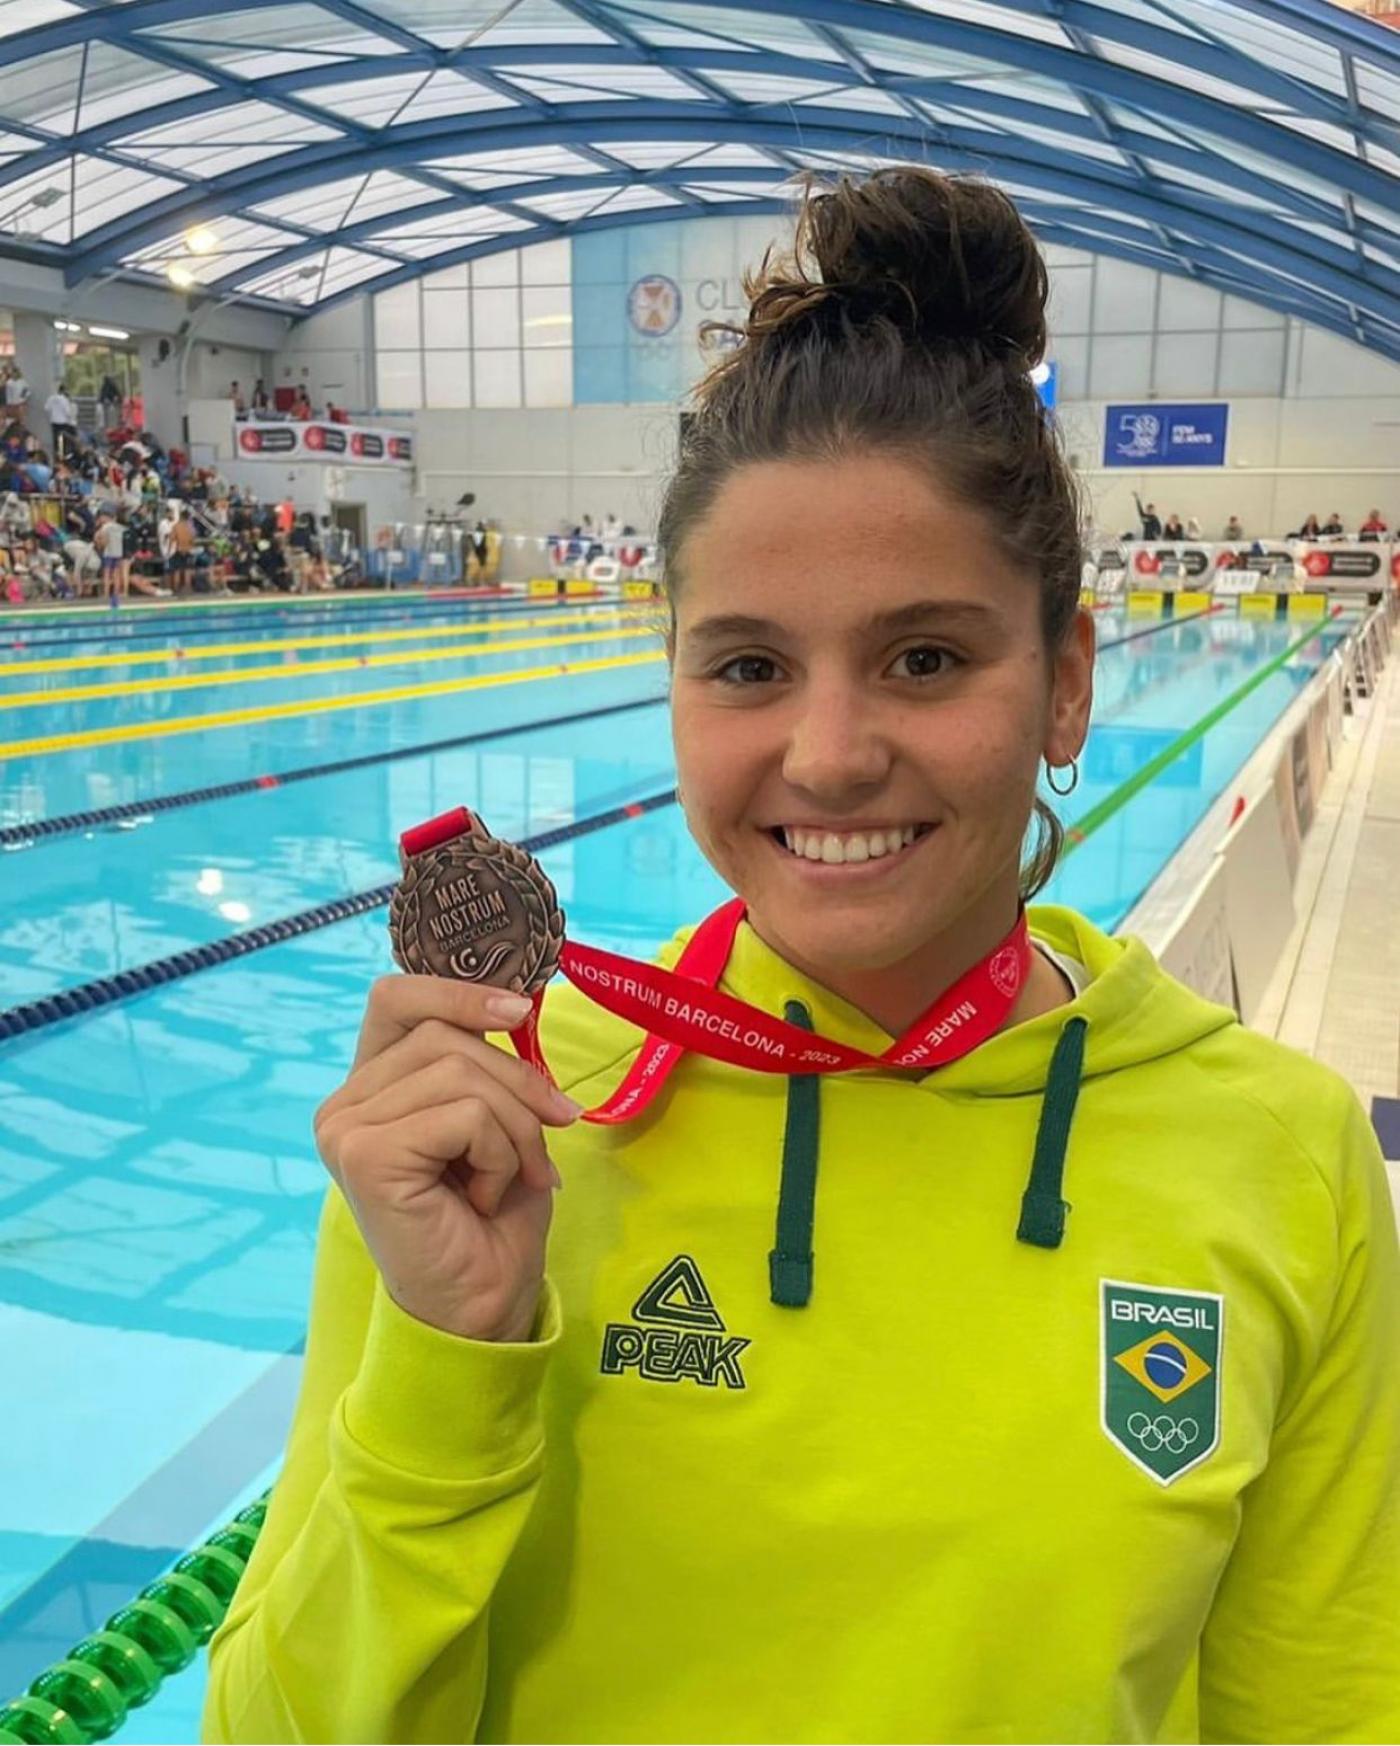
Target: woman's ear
(1072, 691)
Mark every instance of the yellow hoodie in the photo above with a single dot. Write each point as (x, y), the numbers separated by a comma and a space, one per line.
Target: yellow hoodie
(834, 1430)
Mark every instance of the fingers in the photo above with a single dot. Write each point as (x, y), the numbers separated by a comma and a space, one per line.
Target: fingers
(399, 1003)
(434, 1039)
(432, 1138)
(447, 1079)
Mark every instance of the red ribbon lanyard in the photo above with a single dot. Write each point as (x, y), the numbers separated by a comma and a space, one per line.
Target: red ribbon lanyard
(684, 1008)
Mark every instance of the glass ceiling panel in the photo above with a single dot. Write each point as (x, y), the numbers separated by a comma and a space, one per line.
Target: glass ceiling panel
(1269, 41)
(351, 201)
(498, 169)
(591, 81)
(896, 55)
(225, 33)
(722, 25)
(1378, 90)
(321, 276)
(1001, 18)
(71, 84)
(858, 97)
(17, 15)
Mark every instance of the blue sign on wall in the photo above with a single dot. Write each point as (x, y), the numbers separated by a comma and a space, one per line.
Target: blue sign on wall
(1162, 435)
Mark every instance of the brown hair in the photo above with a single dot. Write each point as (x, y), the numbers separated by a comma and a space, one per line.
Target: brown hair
(906, 319)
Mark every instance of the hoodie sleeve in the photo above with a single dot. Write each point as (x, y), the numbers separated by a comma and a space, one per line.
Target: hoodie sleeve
(410, 1470)
(1303, 1642)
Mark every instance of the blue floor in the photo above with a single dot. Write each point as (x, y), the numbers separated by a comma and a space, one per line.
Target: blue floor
(158, 1185)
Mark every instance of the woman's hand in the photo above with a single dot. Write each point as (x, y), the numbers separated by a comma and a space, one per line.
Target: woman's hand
(436, 1141)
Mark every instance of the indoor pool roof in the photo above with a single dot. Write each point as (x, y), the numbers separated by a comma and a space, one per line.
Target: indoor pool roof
(291, 154)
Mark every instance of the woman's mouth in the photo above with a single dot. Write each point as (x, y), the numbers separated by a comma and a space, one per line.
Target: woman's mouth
(848, 848)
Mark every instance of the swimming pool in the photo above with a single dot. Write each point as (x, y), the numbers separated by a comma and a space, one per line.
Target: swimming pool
(158, 1185)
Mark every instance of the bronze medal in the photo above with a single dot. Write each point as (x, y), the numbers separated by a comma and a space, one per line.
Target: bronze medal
(480, 910)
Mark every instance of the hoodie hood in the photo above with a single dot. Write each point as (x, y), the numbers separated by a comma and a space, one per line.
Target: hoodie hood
(1132, 1010)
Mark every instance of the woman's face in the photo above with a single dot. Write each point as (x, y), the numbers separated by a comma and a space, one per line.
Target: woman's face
(856, 664)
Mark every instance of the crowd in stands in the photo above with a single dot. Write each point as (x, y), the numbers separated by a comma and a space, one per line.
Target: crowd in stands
(116, 512)
(1154, 527)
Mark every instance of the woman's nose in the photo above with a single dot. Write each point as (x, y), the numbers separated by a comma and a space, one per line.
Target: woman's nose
(836, 744)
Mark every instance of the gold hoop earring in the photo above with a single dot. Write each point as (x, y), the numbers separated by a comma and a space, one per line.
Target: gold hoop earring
(1070, 786)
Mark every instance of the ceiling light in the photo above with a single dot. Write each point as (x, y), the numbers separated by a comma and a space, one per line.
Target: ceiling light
(179, 275)
(201, 240)
(117, 333)
(46, 197)
(68, 327)
(306, 273)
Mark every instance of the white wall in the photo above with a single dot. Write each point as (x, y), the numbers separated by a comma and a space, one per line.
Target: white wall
(1314, 419)
(534, 470)
(331, 356)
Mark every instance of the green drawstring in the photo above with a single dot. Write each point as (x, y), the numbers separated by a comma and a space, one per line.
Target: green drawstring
(790, 1264)
(1042, 1209)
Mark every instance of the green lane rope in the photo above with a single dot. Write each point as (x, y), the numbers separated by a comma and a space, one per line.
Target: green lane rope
(1084, 827)
(88, 1695)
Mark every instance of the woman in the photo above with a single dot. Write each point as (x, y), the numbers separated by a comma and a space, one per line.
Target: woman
(847, 1409)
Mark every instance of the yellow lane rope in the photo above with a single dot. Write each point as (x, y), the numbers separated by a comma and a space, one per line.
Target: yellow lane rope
(151, 730)
(304, 669)
(343, 639)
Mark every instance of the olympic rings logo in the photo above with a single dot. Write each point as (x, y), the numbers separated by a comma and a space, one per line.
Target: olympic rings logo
(1163, 1433)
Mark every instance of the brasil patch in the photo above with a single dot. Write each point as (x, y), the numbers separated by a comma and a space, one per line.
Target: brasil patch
(1161, 1375)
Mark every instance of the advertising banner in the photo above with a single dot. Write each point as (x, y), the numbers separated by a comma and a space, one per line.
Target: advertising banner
(1158, 434)
(345, 445)
(1341, 563)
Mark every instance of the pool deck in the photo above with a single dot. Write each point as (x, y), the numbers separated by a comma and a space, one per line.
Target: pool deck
(1336, 992)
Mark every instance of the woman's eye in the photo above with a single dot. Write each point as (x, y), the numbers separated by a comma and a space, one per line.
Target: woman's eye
(924, 662)
(747, 670)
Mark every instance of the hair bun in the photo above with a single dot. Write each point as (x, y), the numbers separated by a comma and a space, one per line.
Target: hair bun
(943, 258)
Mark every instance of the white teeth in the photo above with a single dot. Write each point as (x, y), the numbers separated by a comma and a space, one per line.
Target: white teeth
(857, 846)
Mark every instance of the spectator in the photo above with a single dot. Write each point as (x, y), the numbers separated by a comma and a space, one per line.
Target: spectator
(1193, 528)
(260, 400)
(111, 543)
(240, 405)
(1172, 528)
(1308, 531)
(64, 422)
(83, 565)
(1148, 516)
(109, 399)
(16, 392)
(299, 546)
(1332, 528)
(182, 552)
(1373, 527)
(1234, 529)
(301, 406)
(165, 528)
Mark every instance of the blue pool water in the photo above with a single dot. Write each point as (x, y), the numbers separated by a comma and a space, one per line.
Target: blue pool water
(158, 1185)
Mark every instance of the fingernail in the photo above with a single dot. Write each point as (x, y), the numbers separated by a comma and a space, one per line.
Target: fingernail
(567, 1106)
(510, 1009)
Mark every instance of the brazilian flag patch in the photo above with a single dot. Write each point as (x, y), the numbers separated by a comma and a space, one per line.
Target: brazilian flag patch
(1161, 1375)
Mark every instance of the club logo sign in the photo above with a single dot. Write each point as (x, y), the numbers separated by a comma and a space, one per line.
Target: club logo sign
(654, 305)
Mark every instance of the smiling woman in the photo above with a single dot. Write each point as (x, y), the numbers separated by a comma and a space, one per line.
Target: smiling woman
(940, 1452)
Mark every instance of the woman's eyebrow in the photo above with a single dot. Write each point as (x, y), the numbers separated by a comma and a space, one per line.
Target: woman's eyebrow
(968, 614)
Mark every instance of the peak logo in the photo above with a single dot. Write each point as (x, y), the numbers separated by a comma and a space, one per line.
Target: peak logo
(676, 1334)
